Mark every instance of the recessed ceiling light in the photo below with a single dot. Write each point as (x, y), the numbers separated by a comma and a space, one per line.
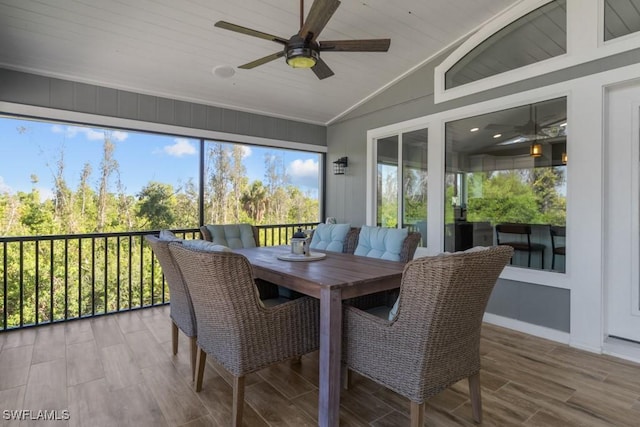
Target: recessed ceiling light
(563, 124)
(497, 135)
(223, 71)
(474, 129)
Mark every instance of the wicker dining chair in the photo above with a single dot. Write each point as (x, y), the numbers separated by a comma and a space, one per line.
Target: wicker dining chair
(236, 236)
(409, 247)
(434, 339)
(233, 327)
(180, 306)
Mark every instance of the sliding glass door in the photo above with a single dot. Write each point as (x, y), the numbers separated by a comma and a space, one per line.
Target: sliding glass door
(401, 181)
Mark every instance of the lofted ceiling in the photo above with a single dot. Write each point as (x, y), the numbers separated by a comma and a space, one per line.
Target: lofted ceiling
(170, 48)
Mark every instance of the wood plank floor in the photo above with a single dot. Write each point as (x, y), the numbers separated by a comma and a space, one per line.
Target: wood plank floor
(118, 370)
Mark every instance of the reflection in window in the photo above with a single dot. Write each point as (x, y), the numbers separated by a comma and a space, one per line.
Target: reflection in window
(414, 182)
(387, 196)
(621, 17)
(260, 185)
(411, 147)
(509, 167)
(539, 35)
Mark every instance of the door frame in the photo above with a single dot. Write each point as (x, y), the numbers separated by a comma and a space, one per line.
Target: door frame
(621, 257)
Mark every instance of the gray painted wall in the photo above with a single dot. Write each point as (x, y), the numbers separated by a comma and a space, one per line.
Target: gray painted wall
(536, 304)
(31, 89)
(413, 97)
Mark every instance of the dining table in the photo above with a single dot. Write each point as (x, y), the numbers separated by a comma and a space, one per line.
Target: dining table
(331, 279)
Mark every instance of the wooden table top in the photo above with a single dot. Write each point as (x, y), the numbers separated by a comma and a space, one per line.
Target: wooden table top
(355, 275)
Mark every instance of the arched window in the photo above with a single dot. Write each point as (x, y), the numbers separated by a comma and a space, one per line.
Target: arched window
(621, 17)
(536, 36)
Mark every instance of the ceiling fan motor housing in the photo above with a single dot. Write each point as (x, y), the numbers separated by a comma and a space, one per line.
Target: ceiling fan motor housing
(301, 53)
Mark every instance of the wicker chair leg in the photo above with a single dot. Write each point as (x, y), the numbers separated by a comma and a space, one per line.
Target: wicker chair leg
(417, 414)
(174, 337)
(200, 363)
(194, 354)
(238, 400)
(476, 399)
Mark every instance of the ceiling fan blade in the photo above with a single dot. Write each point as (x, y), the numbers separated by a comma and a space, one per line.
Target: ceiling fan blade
(261, 61)
(322, 70)
(371, 45)
(320, 13)
(248, 31)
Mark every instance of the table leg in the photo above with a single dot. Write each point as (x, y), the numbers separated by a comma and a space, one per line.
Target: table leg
(330, 357)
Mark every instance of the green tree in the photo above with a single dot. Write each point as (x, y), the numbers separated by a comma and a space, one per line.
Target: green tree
(186, 209)
(506, 197)
(551, 204)
(276, 180)
(218, 173)
(156, 206)
(238, 181)
(108, 165)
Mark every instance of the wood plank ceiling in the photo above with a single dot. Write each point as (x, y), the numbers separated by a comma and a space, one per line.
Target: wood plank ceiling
(168, 48)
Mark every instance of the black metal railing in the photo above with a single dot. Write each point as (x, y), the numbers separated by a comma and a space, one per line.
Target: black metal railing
(55, 278)
(273, 235)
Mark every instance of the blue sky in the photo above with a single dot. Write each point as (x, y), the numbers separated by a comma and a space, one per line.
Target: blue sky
(32, 147)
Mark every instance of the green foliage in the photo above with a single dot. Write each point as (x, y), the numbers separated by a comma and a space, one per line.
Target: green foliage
(520, 196)
(105, 274)
(157, 205)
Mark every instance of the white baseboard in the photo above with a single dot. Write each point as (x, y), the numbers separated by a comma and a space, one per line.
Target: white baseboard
(622, 349)
(528, 328)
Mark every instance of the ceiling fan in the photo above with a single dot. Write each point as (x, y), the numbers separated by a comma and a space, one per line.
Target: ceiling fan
(529, 128)
(302, 50)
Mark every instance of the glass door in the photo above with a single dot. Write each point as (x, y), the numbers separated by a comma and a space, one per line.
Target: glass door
(401, 181)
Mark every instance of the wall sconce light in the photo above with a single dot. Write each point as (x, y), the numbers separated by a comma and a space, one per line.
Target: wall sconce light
(535, 150)
(340, 165)
(564, 158)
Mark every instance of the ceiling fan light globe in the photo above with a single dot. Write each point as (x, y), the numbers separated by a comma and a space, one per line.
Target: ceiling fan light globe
(302, 57)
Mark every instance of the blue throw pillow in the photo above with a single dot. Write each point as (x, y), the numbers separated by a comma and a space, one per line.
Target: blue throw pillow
(329, 237)
(381, 242)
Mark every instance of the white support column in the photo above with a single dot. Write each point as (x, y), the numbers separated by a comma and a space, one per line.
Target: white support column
(585, 222)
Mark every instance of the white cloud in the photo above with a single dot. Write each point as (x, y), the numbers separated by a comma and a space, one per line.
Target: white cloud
(89, 133)
(119, 136)
(4, 188)
(304, 172)
(182, 147)
(303, 168)
(246, 151)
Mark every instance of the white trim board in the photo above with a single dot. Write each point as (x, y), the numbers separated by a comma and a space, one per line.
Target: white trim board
(622, 349)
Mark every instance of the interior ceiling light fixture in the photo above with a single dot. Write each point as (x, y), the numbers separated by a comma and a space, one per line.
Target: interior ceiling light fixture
(535, 150)
(474, 129)
(497, 135)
